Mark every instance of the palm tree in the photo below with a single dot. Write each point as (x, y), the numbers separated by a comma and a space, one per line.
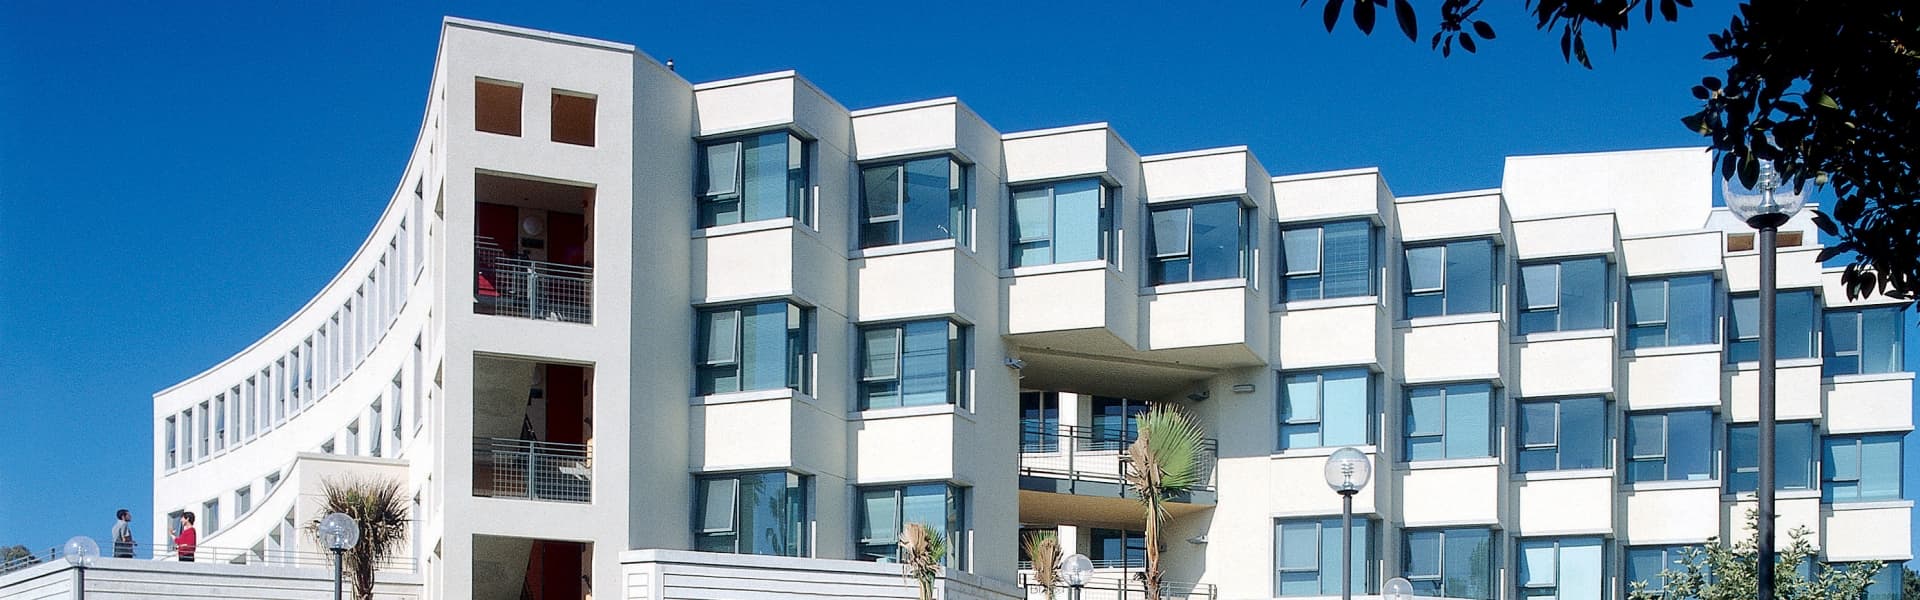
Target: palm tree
(921, 550)
(379, 506)
(1164, 461)
(1044, 548)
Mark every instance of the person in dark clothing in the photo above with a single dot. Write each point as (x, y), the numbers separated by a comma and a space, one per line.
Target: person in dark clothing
(123, 534)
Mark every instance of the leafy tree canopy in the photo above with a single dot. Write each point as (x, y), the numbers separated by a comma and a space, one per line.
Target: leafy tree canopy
(1827, 91)
(1715, 571)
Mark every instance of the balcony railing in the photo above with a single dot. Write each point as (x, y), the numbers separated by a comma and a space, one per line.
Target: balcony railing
(257, 556)
(1122, 586)
(532, 470)
(1090, 454)
(531, 289)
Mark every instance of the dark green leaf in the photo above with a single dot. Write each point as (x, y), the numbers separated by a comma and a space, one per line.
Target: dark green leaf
(1700, 91)
(1821, 99)
(1409, 23)
(1749, 171)
(1466, 42)
(1331, 15)
(1825, 223)
(1712, 83)
(1363, 15)
(1669, 11)
(1695, 124)
(1482, 29)
(1829, 252)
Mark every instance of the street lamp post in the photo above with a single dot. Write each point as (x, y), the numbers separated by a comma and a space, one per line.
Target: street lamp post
(80, 552)
(1765, 207)
(340, 533)
(1347, 471)
(1075, 570)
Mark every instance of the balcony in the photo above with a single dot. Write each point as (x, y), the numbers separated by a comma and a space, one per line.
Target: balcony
(1120, 584)
(532, 470)
(530, 289)
(1092, 461)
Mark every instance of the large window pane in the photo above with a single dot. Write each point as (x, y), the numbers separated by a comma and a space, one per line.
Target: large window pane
(1882, 333)
(764, 186)
(1583, 294)
(1451, 563)
(1583, 433)
(1690, 310)
(1793, 337)
(1793, 457)
(923, 364)
(1347, 262)
(1469, 277)
(1219, 232)
(926, 214)
(912, 364)
(1077, 229)
(1347, 411)
(1307, 557)
(1469, 416)
(1426, 281)
(880, 205)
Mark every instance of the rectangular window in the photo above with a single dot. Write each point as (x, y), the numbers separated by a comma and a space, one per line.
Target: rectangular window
(1326, 408)
(1670, 446)
(1329, 260)
(1860, 467)
(572, 117)
(1449, 421)
(914, 201)
(243, 500)
(376, 427)
(1562, 568)
(186, 436)
(1113, 422)
(496, 107)
(1450, 563)
(1670, 311)
(885, 511)
(1885, 584)
(1568, 295)
(1070, 221)
(1868, 340)
(173, 442)
(1563, 434)
(174, 521)
(1454, 278)
(399, 410)
(206, 430)
(220, 422)
(1793, 336)
(1793, 460)
(210, 516)
(1307, 557)
(755, 178)
(920, 363)
(352, 439)
(1039, 422)
(752, 513)
(1117, 548)
(1645, 563)
(765, 346)
(1204, 241)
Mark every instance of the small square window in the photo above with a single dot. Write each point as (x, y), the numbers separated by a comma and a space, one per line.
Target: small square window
(496, 107)
(573, 117)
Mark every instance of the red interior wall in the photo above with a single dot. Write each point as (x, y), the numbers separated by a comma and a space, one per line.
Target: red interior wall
(500, 222)
(566, 404)
(559, 570)
(566, 238)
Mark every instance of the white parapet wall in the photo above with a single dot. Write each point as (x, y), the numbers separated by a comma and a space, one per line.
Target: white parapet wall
(684, 575)
(126, 578)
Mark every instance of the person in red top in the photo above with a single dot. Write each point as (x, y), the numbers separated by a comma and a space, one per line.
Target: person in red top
(183, 540)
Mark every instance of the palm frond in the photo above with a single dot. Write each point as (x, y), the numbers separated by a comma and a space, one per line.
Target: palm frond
(1044, 548)
(379, 506)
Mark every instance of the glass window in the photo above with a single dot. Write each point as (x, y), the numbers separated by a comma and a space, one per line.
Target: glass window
(1113, 422)
(762, 346)
(1645, 563)
(1450, 563)
(1670, 311)
(885, 511)
(1885, 584)
(1205, 241)
(1793, 337)
(1039, 422)
(753, 513)
(1793, 460)
(1563, 569)
(1563, 434)
(1454, 278)
(173, 442)
(1326, 408)
(1070, 221)
(1329, 260)
(1569, 295)
(920, 363)
(1860, 467)
(755, 178)
(1868, 340)
(1449, 421)
(1670, 446)
(1307, 557)
(914, 201)
(1117, 548)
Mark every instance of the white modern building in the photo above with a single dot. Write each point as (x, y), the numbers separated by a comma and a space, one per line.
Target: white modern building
(618, 333)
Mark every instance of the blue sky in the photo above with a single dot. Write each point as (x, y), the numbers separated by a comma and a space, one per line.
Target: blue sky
(174, 181)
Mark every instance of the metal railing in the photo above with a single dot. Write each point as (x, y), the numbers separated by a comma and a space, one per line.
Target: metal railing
(532, 289)
(267, 557)
(1098, 563)
(1091, 454)
(533, 470)
(1122, 586)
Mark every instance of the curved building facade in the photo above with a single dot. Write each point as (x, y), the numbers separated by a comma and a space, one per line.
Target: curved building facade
(620, 334)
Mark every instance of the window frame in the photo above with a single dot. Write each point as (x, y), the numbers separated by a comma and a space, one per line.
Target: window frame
(1039, 434)
(1521, 587)
(960, 201)
(1736, 343)
(1107, 222)
(959, 365)
(1367, 541)
(1319, 420)
(1521, 445)
(799, 208)
(1522, 307)
(1408, 434)
(1734, 470)
(1439, 578)
(1667, 445)
(955, 503)
(799, 356)
(1445, 291)
(1859, 316)
(1832, 474)
(1156, 259)
(795, 483)
(1288, 277)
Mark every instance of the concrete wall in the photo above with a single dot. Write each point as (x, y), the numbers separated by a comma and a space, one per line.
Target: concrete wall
(117, 578)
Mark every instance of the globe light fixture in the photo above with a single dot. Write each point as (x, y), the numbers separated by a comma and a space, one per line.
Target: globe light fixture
(1347, 471)
(339, 533)
(1075, 569)
(1765, 206)
(81, 550)
(1397, 588)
